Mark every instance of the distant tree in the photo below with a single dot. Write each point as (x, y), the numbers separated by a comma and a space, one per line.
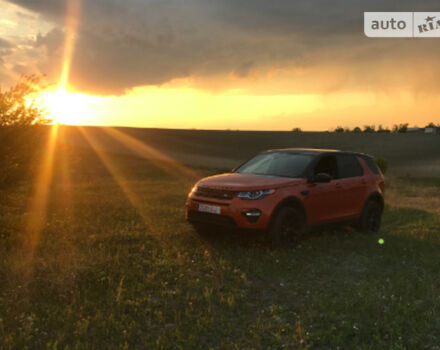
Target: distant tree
(339, 129)
(19, 117)
(380, 129)
(369, 128)
(357, 129)
(400, 128)
(296, 130)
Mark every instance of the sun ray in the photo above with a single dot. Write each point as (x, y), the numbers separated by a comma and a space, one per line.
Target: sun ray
(37, 212)
(65, 172)
(145, 151)
(37, 216)
(119, 177)
(72, 22)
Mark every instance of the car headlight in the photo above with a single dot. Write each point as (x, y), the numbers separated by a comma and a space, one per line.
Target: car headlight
(254, 194)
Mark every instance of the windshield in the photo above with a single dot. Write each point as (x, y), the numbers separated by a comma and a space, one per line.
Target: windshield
(276, 164)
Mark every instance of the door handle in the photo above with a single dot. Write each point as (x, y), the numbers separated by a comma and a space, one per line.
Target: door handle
(338, 185)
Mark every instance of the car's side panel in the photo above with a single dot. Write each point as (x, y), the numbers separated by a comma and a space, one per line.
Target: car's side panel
(352, 192)
(322, 202)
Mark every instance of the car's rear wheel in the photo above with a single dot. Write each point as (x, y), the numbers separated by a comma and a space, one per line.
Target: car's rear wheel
(287, 226)
(371, 217)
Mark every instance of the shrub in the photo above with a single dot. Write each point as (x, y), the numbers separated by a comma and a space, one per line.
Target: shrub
(382, 164)
(19, 136)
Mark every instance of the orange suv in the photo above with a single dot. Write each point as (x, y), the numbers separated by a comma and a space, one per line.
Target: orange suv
(285, 191)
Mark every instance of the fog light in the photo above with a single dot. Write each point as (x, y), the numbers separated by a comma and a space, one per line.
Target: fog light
(252, 215)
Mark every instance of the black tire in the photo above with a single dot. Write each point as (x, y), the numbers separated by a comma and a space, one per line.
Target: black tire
(371, 217)
(288, 225)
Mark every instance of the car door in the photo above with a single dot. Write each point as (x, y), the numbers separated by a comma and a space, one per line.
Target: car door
(352, 185)
(322, 202)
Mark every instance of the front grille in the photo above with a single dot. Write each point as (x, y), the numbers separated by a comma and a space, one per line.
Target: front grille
(208, 218)
(214, 193)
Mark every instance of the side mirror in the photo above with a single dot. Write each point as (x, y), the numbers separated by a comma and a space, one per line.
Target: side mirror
(322, 178)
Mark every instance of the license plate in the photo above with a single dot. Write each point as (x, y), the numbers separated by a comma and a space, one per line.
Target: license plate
(213, 209)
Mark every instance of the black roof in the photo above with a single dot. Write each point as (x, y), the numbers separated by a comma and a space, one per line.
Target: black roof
(315, 151)
(303, 150)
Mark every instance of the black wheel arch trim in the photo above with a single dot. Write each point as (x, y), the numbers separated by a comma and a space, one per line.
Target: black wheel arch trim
(291, 201)
(377, 197)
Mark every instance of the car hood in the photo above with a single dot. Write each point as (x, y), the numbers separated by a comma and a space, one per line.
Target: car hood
(246, 182)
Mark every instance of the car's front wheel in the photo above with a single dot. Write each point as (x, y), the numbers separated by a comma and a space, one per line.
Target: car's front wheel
(371, 217)
(288, 225)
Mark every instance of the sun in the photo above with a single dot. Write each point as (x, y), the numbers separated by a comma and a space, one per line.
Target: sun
(65, 107)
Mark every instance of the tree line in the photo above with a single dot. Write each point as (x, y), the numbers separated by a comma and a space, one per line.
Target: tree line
(397, 128)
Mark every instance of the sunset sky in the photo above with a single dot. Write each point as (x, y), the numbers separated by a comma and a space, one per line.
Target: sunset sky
(221, 64)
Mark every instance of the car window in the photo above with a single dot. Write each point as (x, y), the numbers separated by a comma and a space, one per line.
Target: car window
(276, 164)
(327, 164)
(349, 166)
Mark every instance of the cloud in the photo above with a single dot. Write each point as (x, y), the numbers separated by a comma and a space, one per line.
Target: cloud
(6, 48)
(314, 46)
(5, 44)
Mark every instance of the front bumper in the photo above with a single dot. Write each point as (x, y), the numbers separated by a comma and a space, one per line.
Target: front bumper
(233, 213)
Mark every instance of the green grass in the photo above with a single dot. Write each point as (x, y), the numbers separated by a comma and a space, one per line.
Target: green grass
(110, 273)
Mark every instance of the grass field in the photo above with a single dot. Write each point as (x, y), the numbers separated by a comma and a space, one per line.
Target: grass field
(115, 266)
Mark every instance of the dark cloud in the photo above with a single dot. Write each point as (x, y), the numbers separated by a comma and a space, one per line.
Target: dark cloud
(50, 8)
(126, 43)
(52, 41)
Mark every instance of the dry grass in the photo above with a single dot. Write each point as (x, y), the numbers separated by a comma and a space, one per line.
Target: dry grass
(408, 193)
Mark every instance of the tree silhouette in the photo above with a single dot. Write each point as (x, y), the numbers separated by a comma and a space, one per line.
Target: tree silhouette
(17, 108)
(400, 128)
(20, 117)
(369, 128)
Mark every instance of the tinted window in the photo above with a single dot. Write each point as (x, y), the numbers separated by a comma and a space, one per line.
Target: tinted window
(276, 164)
(348, 166)
(371, 164)
(327, 164)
